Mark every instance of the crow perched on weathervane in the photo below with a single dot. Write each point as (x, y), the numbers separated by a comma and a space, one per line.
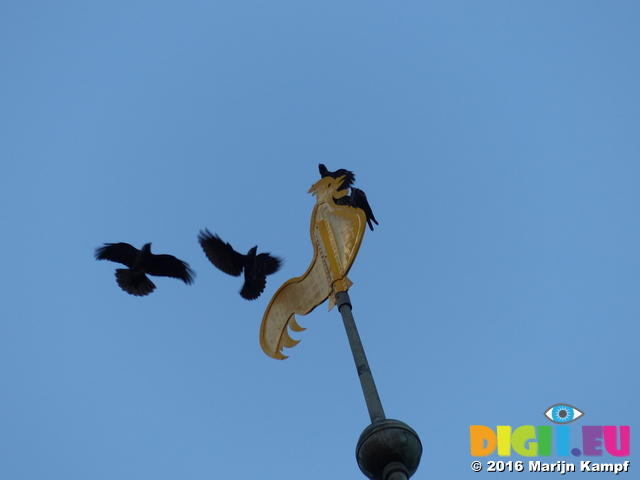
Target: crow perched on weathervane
(256, 266)
(134, 279)
(357, 199)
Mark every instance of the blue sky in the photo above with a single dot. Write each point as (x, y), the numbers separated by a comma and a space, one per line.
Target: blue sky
(497, 142)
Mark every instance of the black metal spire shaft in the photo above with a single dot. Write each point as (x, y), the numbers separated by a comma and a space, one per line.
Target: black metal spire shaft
(387, 449)
(371, 397)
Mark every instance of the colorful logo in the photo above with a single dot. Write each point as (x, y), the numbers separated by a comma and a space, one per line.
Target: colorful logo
(532, 441)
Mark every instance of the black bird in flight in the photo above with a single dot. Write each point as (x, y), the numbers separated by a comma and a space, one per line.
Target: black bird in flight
(256, 266)
(349, 176)
(133, 279)
(357, 199)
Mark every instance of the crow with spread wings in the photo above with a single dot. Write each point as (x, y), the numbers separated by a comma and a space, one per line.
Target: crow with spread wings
(256, 266)
(357, 199)
(134, 279)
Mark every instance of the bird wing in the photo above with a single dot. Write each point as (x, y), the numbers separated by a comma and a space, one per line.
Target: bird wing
(359, 200)
(346, 200)
(268, 264)
(221, 254)
(170, 266)
(118, 252)
(349, 176)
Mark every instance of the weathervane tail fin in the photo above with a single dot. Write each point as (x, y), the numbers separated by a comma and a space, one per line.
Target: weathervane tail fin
(299, 296)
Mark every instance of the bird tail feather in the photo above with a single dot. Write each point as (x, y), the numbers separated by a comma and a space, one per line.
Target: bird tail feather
(254, 287)
(137, 284)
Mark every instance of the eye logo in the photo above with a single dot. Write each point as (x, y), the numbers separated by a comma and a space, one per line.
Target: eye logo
(563, 413)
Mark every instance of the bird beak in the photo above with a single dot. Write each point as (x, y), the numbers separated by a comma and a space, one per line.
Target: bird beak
(315, 187)
(324, 183)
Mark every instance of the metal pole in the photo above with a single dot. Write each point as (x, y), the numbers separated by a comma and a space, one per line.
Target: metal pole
(374, 406)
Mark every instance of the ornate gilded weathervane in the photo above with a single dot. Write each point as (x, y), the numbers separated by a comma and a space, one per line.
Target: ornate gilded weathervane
(387, 449)
(336, 235)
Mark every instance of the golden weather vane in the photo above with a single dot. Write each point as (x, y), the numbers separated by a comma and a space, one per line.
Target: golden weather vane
(387, 448)
(336, 235)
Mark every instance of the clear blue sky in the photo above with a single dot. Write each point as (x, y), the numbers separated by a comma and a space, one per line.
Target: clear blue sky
(498, 143)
